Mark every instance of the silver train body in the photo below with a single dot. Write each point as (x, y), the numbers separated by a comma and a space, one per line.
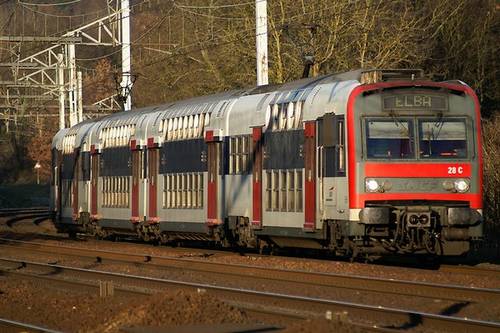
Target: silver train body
(363, 161)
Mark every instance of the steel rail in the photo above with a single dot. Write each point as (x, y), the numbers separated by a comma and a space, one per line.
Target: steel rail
(7, 213)
(23, 209)
(472, 270)
(329, 280)
(20, 217)
(260, 311)
(383, 316)
(12, 324)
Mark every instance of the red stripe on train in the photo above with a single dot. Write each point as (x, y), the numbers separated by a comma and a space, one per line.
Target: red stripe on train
(310, 176)
(418, 170)
(257, 178)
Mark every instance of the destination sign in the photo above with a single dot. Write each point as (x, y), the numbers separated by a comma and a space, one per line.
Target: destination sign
(415, 101)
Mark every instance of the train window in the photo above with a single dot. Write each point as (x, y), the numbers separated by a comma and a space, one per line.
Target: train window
(282, 116)
(200, 190)
(201, 124)
(191, 124)
(298, 192)
(166, 199)
(118, 191)
(298, 114)
(127, 191)
(185, 127)
(268, 190)
(207, 119)
(341, 146)
(239, 154)
(291, 190)
(389, 139)
(283, 190)
(103, 191)
(190, 190)
(115, 192)
(290, 115)
(276, 193)
(274, 117)
(183, 190)
(194, 191)
(174, 128)
(442, 138)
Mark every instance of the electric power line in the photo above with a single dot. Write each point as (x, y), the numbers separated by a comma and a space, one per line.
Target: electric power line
(287, 23)
(48, 4)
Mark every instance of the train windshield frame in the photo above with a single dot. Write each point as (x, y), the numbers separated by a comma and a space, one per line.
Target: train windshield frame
(415, 138)
(388, 138)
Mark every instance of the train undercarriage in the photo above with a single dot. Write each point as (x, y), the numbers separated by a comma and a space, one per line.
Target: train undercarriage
(383, 228)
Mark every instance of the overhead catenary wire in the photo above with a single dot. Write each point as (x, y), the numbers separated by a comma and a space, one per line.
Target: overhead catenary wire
(144, 34)
(215, 6)
(287, 23)
(63, 33)
(213, 41)
(62, 16)
(69, 2)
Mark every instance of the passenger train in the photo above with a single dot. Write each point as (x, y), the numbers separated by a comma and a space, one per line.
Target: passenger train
(367, 161)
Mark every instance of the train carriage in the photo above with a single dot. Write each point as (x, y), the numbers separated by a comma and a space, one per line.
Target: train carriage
(367, 161)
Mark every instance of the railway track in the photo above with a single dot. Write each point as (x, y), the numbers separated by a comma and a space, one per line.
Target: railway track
(13, 215)
(7, 325)
(17, 211)
(294, 278)
(472, 270)
(385, 317)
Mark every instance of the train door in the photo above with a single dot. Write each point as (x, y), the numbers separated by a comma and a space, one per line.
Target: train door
(136, 181)
(331, 164)
(310, 175)
(74, 187)
(153, 156)
(94, 182)
(214, 150)
(57, 180)
(257, 178)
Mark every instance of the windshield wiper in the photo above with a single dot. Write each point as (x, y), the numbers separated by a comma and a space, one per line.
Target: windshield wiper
(397, 121)
(439, 124)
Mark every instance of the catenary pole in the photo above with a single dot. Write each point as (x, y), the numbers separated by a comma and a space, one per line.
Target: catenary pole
(72, 84)
(126, 83)
(60, 83)
(261, 41)
(79, 90)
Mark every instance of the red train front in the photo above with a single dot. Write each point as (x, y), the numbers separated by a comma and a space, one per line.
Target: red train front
(415, 166)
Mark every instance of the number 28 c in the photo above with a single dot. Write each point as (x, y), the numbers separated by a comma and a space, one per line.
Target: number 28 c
(455, 170)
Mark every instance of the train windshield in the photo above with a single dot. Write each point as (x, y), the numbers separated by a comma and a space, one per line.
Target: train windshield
(442, 138)
(390, 138)
(412, 138)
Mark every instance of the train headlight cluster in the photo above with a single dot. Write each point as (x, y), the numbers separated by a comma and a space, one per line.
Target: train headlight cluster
(461, 185)
(372, 185)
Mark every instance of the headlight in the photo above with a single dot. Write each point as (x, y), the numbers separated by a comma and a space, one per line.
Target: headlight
(461, 185)
(372, 185)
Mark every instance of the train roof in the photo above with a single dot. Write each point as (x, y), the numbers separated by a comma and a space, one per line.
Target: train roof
(231, 94)
(218, 104)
